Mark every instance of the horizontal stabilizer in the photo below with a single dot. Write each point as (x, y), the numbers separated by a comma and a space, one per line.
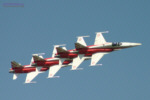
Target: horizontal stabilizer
(15, 64)
(79, 46)
(15, 76)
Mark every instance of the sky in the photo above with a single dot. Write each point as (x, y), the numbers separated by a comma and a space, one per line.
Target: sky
(40, 24)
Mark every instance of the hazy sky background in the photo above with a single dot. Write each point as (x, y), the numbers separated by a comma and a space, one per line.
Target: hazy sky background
(40, 24)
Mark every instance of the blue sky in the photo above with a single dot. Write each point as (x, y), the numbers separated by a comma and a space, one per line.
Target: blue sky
(39, 25)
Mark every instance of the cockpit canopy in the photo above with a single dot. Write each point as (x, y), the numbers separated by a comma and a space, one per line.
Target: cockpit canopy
(116, 44)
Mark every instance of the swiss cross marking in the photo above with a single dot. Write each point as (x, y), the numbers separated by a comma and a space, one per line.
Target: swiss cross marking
(98, 35)
(80, 39)
(93, 62)
(74, 67)
(51, 75)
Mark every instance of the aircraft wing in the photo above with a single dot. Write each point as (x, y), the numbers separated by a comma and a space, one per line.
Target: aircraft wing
(96, 57)
(77, 61)
(99, 39)
(30, 76)
(81, 40)
(54, 69)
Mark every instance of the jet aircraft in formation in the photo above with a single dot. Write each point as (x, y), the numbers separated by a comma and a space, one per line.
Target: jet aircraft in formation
(61, 57)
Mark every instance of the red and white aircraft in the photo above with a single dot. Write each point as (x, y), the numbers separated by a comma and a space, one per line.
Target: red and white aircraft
(31, 71)
(62, 57)
(53, 63)
(94, 52)
(38, 65)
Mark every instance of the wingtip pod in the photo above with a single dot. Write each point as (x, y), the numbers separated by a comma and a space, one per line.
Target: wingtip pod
(30, 82)
(59, 45)
(96, 65)
(38, 54)
(76, 69)
(83, 36)
(54, 77)
(102, 32)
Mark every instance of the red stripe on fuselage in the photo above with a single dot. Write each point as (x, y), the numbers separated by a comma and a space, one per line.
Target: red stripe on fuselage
(28, 69)
(68, 55)
(51, 63)
(47, 63)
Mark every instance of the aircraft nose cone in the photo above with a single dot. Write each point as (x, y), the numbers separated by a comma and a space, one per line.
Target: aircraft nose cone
(11, 71)
(136, 44)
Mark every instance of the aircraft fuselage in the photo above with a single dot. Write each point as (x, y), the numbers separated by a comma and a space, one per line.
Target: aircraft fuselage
(26, 69)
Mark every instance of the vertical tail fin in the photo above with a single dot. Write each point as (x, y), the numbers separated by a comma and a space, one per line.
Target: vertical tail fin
(55, 51)
(37, 57)
(78, 46)
(61, 50)
(15, 64)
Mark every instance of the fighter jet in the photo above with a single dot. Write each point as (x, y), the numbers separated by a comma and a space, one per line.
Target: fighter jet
(94, 52)
(31, 71)
(54, 64)
(62, 57)
(39, 65)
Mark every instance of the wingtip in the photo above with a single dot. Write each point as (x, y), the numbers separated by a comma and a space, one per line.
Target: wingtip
(83, 36)
(54, 77)
(76, 69)
(30, 82)
(102, 32)
(96, 65)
